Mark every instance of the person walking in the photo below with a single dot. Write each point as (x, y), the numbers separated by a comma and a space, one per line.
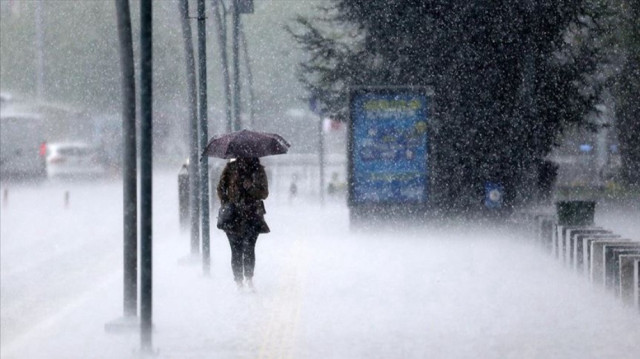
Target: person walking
(243, 184)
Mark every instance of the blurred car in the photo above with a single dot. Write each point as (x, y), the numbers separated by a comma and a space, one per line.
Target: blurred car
(73, 159)
(22, 156)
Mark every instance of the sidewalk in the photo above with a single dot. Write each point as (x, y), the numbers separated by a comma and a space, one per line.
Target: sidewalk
(326, 292)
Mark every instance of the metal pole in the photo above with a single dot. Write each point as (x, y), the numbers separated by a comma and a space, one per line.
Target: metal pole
(222, 44)
(236, 66)
(245, 52)
(204, 134)
(194, 188)
(146, 168)
(321, 159)
(39, 52)
(129, 171)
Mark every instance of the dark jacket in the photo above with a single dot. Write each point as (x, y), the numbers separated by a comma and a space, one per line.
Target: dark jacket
(244, 184)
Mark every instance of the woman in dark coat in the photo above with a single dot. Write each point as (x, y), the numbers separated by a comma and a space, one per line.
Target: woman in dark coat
(243, 183)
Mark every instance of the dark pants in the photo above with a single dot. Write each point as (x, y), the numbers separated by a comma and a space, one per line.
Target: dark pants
(243, 254)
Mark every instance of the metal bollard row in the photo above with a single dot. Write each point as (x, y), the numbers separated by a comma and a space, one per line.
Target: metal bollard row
(604, 257)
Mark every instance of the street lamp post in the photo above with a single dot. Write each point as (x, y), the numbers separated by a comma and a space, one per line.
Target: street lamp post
(239, 7)
(194, 188)
(204, 136)
(146, 150)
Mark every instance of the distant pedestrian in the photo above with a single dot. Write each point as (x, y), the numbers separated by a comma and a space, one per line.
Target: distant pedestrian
(293, 188)
(332, 188)
(243, 185)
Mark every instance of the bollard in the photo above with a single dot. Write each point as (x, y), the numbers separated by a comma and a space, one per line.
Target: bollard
(66, 199)
(5, 197)
(555, 239)
(597, 258)
(183, 197)
(571, 241)
(561, 243)
(636, 284)
(583, 241)
(626, 289)
(587, 247)
(612, 255)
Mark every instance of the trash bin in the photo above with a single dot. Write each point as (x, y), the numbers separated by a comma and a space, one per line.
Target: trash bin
(575, 213)
(183, 195)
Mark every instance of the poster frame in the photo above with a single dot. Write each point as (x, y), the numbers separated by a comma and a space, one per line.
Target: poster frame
(382, 207)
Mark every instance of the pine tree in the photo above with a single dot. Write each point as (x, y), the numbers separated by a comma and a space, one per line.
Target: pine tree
(506, 81)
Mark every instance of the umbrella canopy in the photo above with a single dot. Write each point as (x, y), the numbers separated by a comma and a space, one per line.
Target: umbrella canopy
(245, 143)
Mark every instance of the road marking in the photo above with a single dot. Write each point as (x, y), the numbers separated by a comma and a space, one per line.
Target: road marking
(280, 333)
(28, 338)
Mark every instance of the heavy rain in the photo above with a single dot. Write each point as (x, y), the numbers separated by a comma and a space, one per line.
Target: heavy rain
(442, 179)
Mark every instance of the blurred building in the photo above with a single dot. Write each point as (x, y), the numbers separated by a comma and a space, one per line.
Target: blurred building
(589, 158)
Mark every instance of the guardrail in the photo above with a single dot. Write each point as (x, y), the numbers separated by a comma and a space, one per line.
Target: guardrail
(603, 257)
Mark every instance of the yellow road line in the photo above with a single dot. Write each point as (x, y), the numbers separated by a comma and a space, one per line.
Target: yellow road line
(281, 331)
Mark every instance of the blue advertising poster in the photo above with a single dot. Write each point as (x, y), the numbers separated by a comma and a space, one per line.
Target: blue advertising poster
(389, 148)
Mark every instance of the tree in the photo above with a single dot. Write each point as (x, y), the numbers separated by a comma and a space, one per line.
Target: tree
(506, 86)
(627, 90)
(80, 52)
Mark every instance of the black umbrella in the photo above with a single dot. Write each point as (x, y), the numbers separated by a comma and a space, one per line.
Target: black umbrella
(245, 143)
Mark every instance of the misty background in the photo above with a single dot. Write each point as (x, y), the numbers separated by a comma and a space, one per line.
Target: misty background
(525, 92)
(540, 96)
(81, 68)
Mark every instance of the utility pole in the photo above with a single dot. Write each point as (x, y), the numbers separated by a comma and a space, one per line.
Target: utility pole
(146, 168)
(315, 108)
(239, 7)
(129, 171)
(39, 52)
(194, 156)
(235, 20)
(204, 135)
(247, 63)
(321, 158)
(222, 44)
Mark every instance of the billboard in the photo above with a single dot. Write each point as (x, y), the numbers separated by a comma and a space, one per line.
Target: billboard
(389, 146)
